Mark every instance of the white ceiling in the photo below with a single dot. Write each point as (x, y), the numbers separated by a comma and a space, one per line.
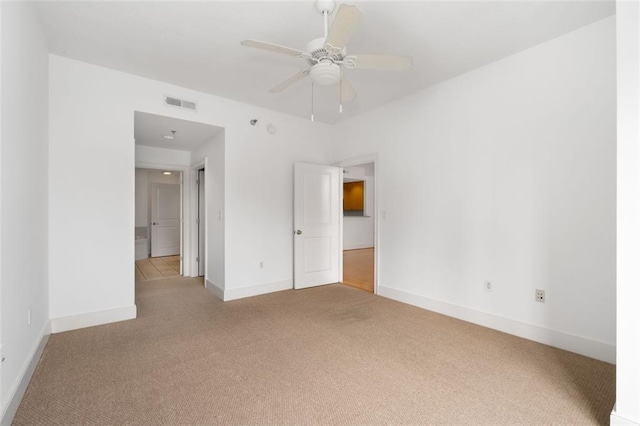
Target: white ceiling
(197, 44)
(149, 130)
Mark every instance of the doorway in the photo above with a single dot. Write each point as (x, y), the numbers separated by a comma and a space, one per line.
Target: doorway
(158, 218)
(359, 226)
(184, 148)
(350, 256)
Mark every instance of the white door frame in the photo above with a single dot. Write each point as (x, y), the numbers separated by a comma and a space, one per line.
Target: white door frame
(357, 161)
(193, 189)
(202, 222)
(185, 240)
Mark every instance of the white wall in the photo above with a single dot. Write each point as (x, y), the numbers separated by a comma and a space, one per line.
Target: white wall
(506, 174)
(212, 153)
(259, 197)
(92, 111)
(627, 410)
(358, 232)
(142, 197)
(24, 274)
(151, 156)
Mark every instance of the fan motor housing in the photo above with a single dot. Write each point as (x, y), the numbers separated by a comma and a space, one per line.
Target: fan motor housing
(316, 48)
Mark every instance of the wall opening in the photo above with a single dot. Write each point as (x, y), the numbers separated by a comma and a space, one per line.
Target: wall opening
(359, 226)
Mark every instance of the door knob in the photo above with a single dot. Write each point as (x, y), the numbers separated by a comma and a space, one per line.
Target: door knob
(298, 232)
(154, 223)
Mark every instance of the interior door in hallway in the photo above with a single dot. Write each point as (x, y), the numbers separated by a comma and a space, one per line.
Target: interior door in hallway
(165, 219)
(317, 212)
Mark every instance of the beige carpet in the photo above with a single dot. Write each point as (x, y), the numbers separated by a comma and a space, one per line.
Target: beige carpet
(328, 355)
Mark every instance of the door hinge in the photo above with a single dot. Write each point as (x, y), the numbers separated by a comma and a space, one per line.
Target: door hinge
(198, 221)
(197, 259)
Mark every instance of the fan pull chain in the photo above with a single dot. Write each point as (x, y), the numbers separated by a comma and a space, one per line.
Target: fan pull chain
(340, 90)
(312, 101)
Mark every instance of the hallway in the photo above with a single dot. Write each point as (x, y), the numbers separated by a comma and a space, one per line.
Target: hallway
(155, 268)
(359, 268)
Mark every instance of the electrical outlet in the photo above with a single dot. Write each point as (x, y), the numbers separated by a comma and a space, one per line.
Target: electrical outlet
(488, 286)
(540, 295)
(261, 265)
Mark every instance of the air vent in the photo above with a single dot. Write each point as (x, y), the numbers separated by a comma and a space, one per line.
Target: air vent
(189, 105)
(180, 103)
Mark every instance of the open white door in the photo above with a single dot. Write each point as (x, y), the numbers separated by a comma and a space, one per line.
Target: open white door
(316, 221)
(165, 219)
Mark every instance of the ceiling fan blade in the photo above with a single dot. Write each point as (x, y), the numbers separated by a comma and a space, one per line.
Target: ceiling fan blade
(289, 81)
(382, 62)
(345, 22)
(272, 47)
(347, 94)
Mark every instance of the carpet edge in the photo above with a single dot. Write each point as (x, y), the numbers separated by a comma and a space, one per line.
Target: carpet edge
(90, 319)
(214, 289)
(11, 408)
(257, 290)
(580, 345)
(616, 420)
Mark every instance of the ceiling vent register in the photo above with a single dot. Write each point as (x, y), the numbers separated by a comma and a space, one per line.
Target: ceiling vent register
(180, 103)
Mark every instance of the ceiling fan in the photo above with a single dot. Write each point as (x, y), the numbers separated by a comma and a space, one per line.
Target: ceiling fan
(327, 55)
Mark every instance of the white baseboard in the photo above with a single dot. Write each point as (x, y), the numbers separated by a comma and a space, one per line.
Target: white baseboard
(357, 247)
(583, 346)
(90, 319)
(256, 290)
(213, 288)
(20, 386)
(616, 420)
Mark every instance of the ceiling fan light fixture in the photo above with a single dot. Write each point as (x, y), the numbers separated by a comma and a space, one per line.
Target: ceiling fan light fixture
(325, 73)
(170, 136)
(326, 56)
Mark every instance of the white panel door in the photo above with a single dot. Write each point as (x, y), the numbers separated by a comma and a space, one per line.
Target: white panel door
(165, 219)
(317, 211)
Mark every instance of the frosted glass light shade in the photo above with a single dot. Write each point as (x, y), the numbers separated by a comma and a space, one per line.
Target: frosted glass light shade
(325, 73)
